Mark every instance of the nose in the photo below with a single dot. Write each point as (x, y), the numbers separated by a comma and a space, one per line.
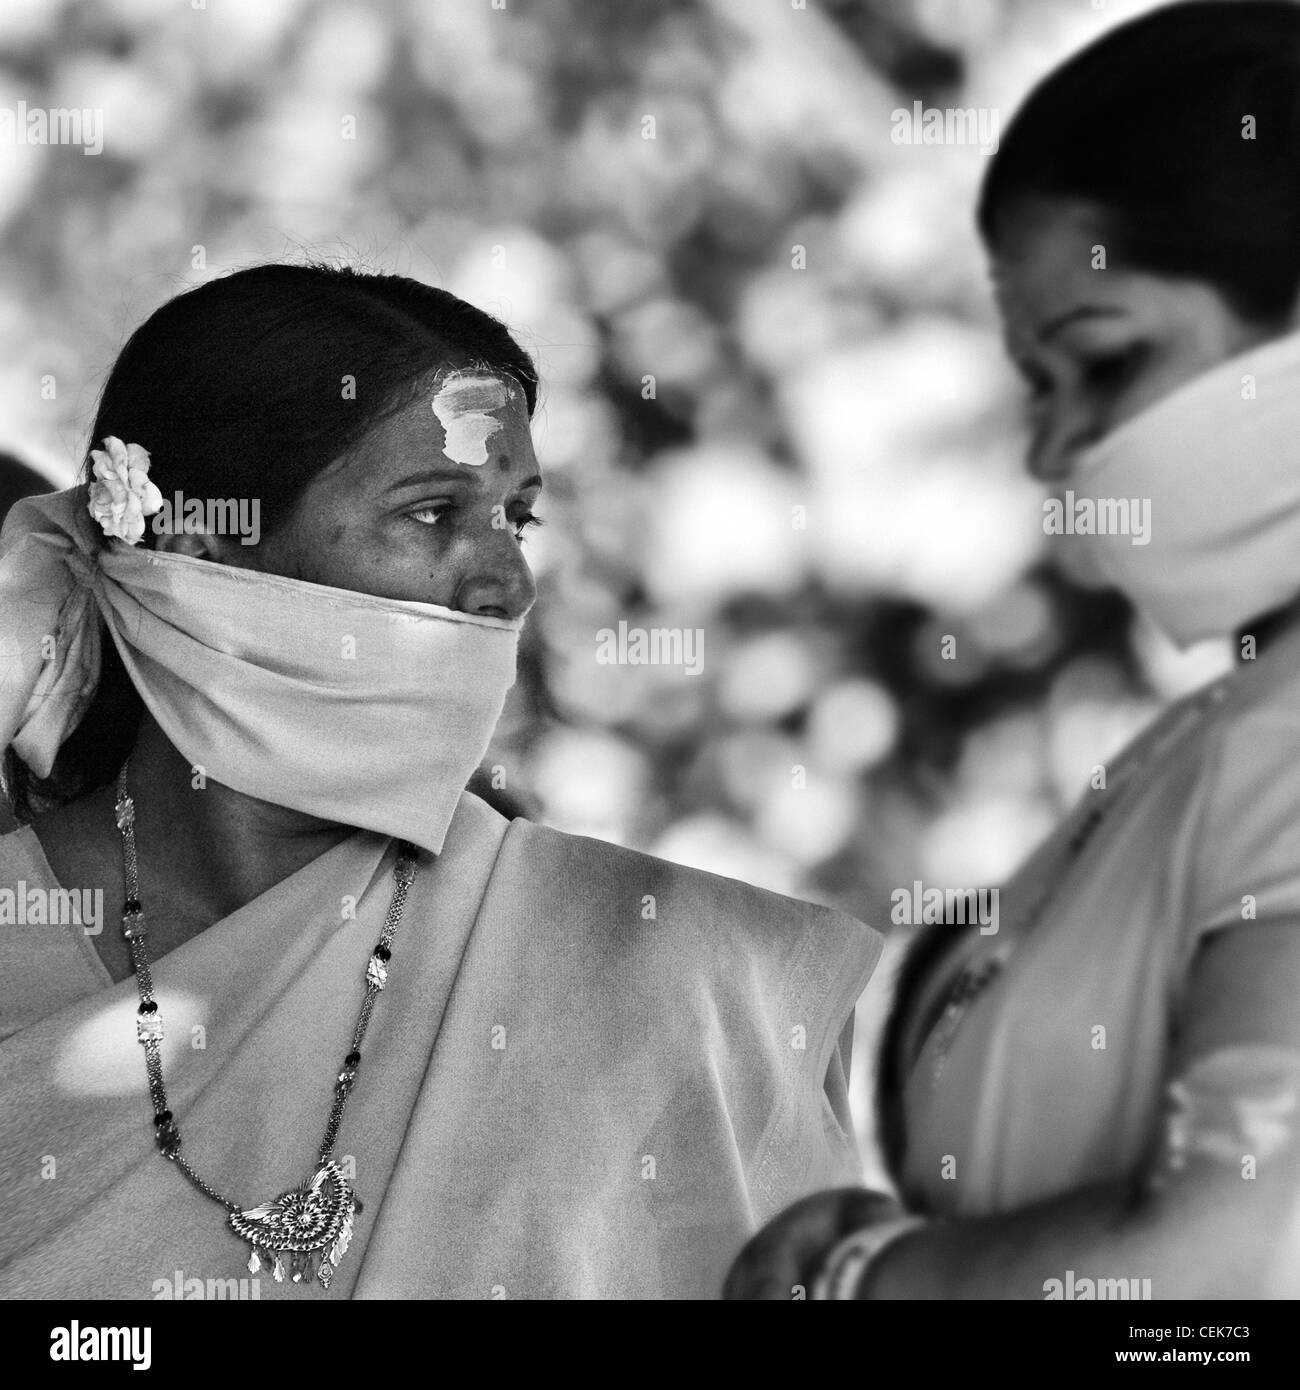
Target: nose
(1057, 439)
(1046, 462)
(499, 585)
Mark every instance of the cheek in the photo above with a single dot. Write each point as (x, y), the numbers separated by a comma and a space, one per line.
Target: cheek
(341, 552)
(397, 559)
(1164, 372)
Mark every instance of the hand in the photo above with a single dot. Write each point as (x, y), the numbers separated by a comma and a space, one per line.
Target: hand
(780, 1261)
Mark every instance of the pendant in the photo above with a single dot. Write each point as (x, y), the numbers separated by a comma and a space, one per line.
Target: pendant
(305, 1231)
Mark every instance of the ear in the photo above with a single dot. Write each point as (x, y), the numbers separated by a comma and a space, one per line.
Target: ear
(194, 543)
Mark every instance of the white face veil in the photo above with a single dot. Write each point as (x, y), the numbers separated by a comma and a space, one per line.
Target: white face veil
(366, 711)
(1219, 461)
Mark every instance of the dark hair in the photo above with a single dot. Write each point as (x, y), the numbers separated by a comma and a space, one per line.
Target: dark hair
(1149, 124)
(239, 388)
(17, 480)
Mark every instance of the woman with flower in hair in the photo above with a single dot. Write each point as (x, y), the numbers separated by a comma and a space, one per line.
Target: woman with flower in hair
(344, 1025)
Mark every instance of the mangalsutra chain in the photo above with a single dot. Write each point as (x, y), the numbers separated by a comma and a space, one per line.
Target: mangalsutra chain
(331, 1240)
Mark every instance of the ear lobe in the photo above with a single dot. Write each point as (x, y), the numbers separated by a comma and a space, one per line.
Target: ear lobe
(197, 544)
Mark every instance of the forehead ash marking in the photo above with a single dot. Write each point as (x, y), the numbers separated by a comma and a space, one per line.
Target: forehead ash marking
(464, 409)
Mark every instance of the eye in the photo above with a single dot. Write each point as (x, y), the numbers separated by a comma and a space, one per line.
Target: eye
(524, 523)
(1111, 369)
(432, 514)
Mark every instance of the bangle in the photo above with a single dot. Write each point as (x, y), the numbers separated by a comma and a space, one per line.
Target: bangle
(843, 1270)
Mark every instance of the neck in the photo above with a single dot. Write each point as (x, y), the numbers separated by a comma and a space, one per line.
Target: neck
(219, 847)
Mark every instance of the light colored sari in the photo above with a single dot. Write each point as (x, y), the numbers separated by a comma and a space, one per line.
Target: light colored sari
(1056, 1077)
(561, 1094)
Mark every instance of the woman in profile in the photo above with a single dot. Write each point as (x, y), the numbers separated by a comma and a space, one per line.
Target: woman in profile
(345, 1028)
(1107, 1092)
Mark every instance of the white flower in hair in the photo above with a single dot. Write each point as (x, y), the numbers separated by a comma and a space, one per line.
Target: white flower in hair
(121, 495)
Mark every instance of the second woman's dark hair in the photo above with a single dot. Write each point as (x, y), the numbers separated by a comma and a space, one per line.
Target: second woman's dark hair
(1183, 127)
(247, 387)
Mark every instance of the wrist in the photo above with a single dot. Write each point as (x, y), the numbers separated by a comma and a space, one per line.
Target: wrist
(848, 1269)
(887, 1275)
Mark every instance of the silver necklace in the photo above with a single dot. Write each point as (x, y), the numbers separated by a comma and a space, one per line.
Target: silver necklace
(305, 1231)
(974, 979)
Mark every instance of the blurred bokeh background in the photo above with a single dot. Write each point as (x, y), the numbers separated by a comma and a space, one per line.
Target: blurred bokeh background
(775, 411)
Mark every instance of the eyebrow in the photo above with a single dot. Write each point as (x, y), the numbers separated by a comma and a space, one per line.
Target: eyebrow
(445, 475)
(1053, 326)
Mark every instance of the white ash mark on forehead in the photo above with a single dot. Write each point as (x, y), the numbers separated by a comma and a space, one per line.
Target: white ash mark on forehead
(463, 407)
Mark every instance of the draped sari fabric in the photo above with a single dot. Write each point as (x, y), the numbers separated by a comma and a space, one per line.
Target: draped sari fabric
(1056, 1077)
(591, 1074)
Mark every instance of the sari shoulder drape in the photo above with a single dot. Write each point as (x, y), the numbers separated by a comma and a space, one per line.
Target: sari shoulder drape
(591, 1074)
(1056, 1078)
